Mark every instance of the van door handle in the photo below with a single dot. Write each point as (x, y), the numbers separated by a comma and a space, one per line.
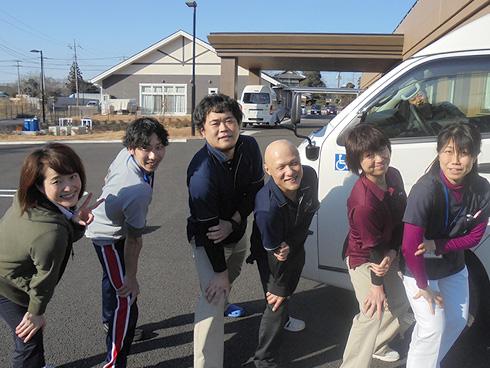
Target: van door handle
(484, 168)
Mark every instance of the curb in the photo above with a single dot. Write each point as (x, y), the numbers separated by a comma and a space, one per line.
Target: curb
(182, 140)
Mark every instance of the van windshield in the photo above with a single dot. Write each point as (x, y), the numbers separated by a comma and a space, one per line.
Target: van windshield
(256, 98)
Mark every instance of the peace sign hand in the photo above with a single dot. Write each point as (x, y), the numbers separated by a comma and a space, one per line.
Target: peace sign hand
(83, 215)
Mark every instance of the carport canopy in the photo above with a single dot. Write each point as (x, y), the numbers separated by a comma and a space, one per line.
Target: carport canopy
(303, 51)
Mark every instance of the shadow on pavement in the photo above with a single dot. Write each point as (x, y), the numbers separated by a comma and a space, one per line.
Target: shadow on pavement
(327, 311)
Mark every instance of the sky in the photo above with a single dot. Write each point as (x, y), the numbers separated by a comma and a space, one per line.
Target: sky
(107, 32)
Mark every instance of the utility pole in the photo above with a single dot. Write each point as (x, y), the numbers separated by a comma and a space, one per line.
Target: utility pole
(18, 77)
(338, 80)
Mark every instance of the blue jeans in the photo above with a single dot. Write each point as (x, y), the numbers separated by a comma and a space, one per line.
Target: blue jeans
(26, 354)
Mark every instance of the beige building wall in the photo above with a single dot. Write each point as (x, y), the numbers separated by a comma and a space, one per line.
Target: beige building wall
(429, 20)
(175, 58)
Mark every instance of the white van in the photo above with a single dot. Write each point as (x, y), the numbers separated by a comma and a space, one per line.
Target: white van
(454, 75)
(258, 105)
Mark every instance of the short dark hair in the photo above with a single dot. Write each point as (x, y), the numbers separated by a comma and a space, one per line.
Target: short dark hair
(466, 137)
(139, 131)
(216, 103)
(58, 157)
(360, 140)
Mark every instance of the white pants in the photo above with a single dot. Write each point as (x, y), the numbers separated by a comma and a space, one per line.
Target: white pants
(434, 335)
(209, 318)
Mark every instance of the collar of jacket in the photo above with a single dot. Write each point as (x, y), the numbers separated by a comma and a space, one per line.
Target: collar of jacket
(219, 155)
(282, 200)
(377, 191)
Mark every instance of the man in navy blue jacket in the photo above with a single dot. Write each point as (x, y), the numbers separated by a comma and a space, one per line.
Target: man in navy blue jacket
(284, 208)
(223, 178)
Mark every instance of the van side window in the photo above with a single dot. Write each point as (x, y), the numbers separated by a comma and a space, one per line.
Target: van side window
(432, 96)
(256, 98)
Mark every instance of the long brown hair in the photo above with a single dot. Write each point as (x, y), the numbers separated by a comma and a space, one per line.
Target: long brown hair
(58, 157)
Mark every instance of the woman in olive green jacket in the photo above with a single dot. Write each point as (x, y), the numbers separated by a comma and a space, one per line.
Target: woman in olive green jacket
(36, 237)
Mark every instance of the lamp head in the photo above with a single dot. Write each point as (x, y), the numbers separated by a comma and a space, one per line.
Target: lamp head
(35, 50)
(191, 4)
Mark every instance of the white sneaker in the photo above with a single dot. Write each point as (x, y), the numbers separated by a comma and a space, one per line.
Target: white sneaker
(294, 325)
(387, 355)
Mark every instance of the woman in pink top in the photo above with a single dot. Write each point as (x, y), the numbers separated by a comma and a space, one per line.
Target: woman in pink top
(447, 212)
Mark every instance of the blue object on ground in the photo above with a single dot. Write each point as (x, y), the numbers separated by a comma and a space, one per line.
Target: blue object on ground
(31, 125)
(234, 311)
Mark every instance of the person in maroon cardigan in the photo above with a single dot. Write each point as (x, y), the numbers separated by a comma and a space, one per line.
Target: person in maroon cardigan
(447, 212)
(375, 209)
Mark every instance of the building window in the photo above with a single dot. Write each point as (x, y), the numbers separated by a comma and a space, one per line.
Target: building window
(161, 98)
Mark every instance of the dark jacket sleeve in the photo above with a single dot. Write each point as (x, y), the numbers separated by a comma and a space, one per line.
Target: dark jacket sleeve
(246, 205)
(78, 231)
(203, 197)
(272, 232)
(279, 282)
(400, 199)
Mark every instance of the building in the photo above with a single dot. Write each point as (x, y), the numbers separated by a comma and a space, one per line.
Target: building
(159, 77)
(290, 78)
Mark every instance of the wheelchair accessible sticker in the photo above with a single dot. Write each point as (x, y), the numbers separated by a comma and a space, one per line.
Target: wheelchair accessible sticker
(340, 164)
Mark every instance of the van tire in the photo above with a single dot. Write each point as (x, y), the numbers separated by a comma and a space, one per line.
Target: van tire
(479, 290)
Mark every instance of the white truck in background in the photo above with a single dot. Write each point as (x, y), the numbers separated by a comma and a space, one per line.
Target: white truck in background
(259, 103)
(454, 74)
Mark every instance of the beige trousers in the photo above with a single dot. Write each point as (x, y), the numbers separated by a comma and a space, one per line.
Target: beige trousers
(209, 318)
(369, 335)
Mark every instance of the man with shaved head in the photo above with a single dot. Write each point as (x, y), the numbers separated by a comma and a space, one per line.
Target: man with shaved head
(284, 208)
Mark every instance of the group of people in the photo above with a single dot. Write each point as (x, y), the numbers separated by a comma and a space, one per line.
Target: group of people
(401, 252)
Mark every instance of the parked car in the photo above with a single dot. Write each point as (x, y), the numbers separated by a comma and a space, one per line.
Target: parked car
(315, 110)
(331, 110)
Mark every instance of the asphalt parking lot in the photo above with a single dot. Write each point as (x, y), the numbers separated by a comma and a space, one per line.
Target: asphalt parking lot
(74, 336)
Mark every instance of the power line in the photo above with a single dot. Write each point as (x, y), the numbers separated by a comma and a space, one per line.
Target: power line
(27, 28)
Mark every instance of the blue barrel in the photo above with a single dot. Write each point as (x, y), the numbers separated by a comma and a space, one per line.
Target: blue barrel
(34, 125)
(27, 125)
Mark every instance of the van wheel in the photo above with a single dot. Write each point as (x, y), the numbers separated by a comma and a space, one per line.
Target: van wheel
(479, 309)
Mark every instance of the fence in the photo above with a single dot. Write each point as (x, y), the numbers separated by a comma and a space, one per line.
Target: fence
(12, 110)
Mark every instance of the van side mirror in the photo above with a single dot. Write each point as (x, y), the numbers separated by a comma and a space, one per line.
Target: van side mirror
(296, 109)
(312, 151)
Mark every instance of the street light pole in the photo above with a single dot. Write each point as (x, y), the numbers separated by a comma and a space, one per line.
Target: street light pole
(42, 84)
(193, 4)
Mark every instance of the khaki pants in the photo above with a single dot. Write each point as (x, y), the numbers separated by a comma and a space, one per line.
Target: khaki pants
(209, 318)
(369, 335)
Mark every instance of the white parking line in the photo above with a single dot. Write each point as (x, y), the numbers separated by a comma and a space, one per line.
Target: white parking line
(248, 132)
(11, 192)
(7, 193)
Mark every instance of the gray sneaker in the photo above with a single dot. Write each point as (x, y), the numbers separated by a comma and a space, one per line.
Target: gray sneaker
(387, 355)
(294, 325)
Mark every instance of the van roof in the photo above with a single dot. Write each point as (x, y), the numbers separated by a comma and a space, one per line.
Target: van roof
(255, 86)
(471, 36)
